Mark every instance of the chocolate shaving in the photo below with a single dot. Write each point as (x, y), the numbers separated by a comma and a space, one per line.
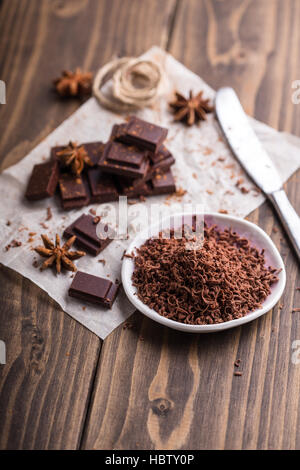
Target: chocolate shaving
(49, 213)
(13, 244)
(223, 280)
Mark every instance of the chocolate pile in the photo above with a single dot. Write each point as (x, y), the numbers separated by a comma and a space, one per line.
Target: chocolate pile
(134, 162)
(224, 280)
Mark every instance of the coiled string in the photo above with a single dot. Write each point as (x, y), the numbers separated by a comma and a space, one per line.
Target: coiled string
(136, 84)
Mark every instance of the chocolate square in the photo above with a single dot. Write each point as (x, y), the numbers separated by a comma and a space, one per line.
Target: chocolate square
(102, 185)
(163, 183)
(73, 191)
(43, 181)
(124, 160)
(142, 134)
(85, 230)
(93, 289)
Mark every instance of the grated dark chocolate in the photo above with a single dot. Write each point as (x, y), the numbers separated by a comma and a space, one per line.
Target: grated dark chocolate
(223, 280)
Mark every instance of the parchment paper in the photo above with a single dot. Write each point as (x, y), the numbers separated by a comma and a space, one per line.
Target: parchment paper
(204, 168)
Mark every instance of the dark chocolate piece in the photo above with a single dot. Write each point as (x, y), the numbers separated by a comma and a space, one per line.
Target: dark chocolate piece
(163, 162)
(163, 183)
(93, 149)
(73, 191)
(102, 186)
(141, 133)
(84, 228)
(43, 181)
(131, 191)
(124, 160)
(93, 289)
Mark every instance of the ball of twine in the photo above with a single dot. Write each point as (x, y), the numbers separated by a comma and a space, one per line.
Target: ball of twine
(136, 84)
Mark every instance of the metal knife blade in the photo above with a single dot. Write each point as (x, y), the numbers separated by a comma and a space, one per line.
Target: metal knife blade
(244, 142)
(255, 160)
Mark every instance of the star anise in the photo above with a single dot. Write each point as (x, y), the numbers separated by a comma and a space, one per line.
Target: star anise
(192, 109)
(76, 83)
(61, 255)
(75, 157)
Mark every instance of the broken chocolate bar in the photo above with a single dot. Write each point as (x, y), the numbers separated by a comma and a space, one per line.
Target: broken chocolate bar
(85, 230)
(124, 160)
(163, 183)
(93, 289)
(43, 181)
(141, 133)
(73, 191)
(162, 162)
(160, 184)
(102, 186)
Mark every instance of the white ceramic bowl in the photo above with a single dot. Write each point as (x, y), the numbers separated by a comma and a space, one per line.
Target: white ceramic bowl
(255, 235)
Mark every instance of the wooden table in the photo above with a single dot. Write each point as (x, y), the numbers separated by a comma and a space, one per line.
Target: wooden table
(147, 387)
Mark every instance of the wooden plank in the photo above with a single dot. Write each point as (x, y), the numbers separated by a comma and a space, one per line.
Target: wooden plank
(169, 390)
(46, 382)
(53, 36)
(45, 385)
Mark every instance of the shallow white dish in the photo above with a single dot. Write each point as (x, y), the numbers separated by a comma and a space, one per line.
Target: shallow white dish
(256, 236)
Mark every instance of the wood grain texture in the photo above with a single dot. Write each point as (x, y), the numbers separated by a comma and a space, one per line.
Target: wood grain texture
(45, 385)
(167, 390)
(57, 35)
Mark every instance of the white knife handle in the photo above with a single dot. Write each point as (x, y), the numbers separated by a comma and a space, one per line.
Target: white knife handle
(288, 216)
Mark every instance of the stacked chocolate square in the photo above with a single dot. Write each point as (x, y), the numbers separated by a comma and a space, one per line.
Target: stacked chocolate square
(134, 162)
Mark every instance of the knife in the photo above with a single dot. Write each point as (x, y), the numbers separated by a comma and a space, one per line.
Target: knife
(254, 159)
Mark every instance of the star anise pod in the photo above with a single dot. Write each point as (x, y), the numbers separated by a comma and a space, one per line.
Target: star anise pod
(61, 255)
(76, 83)
(75, 157)
(192, 109)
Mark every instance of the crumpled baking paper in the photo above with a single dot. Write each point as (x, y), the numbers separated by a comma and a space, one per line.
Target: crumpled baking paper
(204, 168)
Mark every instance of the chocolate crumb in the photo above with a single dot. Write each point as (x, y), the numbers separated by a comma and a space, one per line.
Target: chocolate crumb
(102, 261)
(239, 182)
(128, 326)
(92, 212)
(223, 211)
(49, 213)
(238, 374)
(296, 310)
(8, 223)
(244, 190)
(13, 244)
(97, 219)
